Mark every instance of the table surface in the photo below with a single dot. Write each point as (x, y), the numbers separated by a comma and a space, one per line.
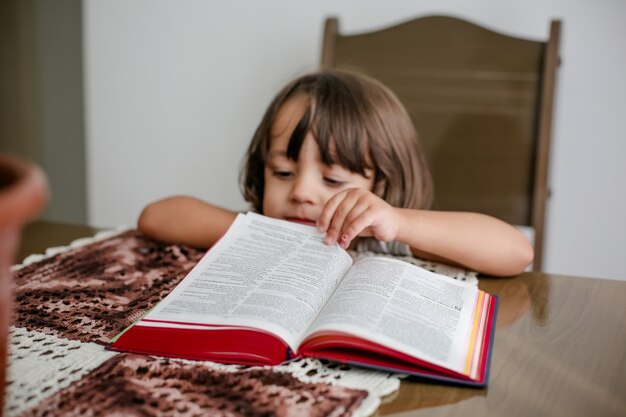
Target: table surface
(560, 346)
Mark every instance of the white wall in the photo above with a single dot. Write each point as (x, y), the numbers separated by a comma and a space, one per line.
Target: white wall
(175, 89)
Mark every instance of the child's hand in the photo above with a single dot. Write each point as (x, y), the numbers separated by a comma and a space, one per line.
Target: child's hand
(357, 212)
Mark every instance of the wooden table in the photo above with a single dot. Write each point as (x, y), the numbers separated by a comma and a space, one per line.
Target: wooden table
(560, 346)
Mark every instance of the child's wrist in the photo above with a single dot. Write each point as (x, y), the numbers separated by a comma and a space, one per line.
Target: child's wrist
(407, 219)
(401, 226)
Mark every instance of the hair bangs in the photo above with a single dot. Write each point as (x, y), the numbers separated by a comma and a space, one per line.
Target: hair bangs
(336, 143)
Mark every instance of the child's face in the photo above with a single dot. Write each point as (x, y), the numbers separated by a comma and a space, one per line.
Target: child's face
(298, 190)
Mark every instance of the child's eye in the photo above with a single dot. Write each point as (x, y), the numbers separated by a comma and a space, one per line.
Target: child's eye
(334, 182)
(284, 174)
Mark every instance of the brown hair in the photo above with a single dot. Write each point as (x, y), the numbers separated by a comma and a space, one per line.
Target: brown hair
(365, 121)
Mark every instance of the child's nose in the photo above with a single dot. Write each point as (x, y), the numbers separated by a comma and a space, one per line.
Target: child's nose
(303, 190)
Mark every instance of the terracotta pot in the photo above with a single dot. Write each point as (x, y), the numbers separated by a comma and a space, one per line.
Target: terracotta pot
(23, 192)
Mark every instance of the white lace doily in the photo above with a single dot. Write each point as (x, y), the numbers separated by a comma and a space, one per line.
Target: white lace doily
(41, 364)
(33, 375)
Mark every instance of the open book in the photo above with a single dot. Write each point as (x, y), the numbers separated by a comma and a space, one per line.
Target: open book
(271, 290)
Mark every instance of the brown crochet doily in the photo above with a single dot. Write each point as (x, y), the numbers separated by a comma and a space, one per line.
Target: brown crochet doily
(137, 385)
(85, 295)
(93, 292)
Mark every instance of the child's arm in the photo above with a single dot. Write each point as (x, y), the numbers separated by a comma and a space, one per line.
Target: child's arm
(185, 220)
(476, 241)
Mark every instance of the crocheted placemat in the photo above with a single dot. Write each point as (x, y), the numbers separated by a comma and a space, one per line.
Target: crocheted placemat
(72, 300)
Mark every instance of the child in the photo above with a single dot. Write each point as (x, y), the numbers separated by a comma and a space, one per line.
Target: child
(338, 150)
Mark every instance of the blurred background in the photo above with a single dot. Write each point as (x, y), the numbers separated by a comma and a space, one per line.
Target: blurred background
(125, 101)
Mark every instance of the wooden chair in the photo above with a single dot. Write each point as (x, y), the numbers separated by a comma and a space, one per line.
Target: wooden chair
(482, 105)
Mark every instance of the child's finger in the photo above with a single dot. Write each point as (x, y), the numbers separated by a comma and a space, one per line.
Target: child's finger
(347, 234)
(357, 226)
(338, 217)
(323, 221)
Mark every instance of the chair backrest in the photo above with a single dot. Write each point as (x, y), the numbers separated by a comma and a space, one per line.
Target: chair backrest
(482, 105)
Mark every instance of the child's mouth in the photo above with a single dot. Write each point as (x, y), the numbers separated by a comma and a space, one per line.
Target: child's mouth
(308, 222)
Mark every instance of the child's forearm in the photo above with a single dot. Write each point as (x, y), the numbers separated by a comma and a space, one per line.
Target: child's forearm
(185, 220)
(473, 240)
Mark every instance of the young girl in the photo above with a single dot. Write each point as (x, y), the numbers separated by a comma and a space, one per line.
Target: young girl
(338, 151)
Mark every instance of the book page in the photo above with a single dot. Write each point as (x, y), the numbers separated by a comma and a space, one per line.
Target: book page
(264, 273)
(404, 307)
